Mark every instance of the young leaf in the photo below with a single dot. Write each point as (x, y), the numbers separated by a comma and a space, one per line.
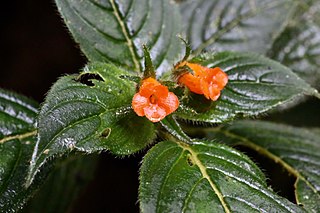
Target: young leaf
(115, 30)
(17, 138)
(203, 177)
(296, 149)
(89, 113)
(256, 85)
(241, 25)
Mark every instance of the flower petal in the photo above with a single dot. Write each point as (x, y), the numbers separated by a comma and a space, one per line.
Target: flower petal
(148, 87)
(140, 102)
(170, 103)
(221, 78)
(214, 92)
(196, 68)
(204, 85)
(161, 91)
(192, 82)
(154, 112)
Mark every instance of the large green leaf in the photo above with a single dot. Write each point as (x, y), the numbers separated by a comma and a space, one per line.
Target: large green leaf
(296, 149)
(115, 30)
(298, 46)
(17, 138)
(64, 185)
(205, 177)
(256, 85)
(89, 113)
(241, 25)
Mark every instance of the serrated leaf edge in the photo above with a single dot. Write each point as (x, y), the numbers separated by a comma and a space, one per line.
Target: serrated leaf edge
(204, 173)
(265, 152)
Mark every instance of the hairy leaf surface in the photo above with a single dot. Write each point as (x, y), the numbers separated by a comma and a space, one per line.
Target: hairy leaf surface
(90, 113)
(203, 177)
(296, 149)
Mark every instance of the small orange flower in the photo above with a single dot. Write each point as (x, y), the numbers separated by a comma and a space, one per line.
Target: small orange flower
(154, 100)
(206, 81)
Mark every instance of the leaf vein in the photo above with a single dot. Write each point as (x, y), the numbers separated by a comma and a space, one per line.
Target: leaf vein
(204, 173)
(126, 34)
(246, 142)
(166, 177)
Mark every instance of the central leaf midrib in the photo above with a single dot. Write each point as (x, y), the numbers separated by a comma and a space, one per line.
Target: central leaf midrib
(205, 175)
(126, 34)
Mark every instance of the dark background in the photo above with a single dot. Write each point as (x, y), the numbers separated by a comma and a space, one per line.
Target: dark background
(36, 49)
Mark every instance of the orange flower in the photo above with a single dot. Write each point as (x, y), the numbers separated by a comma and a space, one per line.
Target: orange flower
(206, 81)
(154, 100)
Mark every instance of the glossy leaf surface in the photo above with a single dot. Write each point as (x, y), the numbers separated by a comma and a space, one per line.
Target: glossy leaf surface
(17, 138)
(241, 25)
(90, 113)
(115, 30)
(298, 46)
(296, 149)
(204, 177)
(256, 85)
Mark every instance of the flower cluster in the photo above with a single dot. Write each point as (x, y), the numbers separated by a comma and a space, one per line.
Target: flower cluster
(204, 80)
(154, 100)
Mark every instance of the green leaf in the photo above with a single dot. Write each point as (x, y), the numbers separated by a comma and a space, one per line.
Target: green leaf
(203, 177)
(17, 138)
(173, 127)
(298, 46)
(296, 149)
(64, 185)
(90, 113)
(115, 30)
(256, 85)
(241, 25)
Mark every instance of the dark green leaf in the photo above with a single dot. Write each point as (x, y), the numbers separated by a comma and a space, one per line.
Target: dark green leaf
(115, 30)
(17, 139)
(205, 177)
(90, 113)
(298, 46)
(63, 185)
(173, 127)
(296, 149)
(256, 85)
(241, 25)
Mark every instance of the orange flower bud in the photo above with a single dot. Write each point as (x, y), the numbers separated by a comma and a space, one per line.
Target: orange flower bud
(154, 100)
(204, 80)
